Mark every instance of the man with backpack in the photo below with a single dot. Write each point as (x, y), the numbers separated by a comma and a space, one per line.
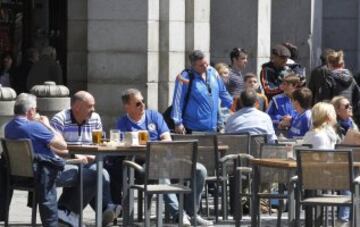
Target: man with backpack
(196, 97)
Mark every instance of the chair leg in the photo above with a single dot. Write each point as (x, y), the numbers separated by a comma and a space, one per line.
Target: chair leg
(216, 202)
(81, 196)
(140, 205)
(159, 209)
(33, 210)
(237, 214)
(7, 200)
(181, 209)
(207, 200)
(147, 206)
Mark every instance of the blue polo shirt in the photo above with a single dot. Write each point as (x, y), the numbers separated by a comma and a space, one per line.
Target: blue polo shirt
(40, 136)
(300, 124)
(152, 121)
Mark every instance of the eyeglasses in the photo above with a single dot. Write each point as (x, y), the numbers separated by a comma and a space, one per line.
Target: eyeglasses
(347, 106)
(139, 103)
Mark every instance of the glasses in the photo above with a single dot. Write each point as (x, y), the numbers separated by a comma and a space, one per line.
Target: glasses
(139, 103)
(347, 106)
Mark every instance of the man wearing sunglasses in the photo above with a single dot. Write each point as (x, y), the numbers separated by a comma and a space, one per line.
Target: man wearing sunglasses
(201, 110)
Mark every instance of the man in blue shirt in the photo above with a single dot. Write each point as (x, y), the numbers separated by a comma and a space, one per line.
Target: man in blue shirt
(49, 145)
(202, 106)
(138, 118)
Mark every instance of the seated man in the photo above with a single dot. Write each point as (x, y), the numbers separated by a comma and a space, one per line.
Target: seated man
(137, 118)
(249, 119)
(76, 125)
(280, 108)
(49, 145)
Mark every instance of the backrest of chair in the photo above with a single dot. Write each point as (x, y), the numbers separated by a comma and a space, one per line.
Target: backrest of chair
(208, 154)
(173, 160)
(275, 151)
(19, 155)
(255, 143)
(237, 143)
(355, 150)
(324, 169)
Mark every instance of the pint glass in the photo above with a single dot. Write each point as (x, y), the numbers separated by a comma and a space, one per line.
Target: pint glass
(96, 136)
(143, 137)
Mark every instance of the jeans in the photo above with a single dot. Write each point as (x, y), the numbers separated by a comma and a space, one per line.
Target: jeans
(344, 212)
(172, 202)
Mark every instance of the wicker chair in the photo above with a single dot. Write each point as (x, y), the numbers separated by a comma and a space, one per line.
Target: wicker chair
(19, 161)
(323, 171)
(174, 160)
(208, 156)
(238, 145)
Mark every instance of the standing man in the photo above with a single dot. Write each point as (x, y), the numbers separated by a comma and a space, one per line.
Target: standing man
(239, 60)
(202, 104)
(76, 125)
(138, 118)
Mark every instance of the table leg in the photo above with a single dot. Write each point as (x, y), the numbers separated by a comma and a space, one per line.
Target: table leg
(291, 205)
(128, 198)
(255, 198)
(99, 189)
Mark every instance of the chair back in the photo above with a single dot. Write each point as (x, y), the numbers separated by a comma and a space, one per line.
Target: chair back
(255, 144)
(172, 160)
(208, 154)
(19, 155)
(355, 150)
(324, 169)
(275, 151)
(237, 143)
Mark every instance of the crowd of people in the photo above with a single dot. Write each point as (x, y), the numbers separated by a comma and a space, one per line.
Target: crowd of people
(205, 100)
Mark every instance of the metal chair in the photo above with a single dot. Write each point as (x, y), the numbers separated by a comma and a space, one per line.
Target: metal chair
(174, 160)
(238, 145)
(322, 171)
(208, 155)
(20, 160)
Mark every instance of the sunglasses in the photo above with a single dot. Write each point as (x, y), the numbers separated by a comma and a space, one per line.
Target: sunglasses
(139, 103)
(347, 106)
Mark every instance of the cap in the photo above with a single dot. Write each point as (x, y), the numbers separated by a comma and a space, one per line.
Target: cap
(281, 51)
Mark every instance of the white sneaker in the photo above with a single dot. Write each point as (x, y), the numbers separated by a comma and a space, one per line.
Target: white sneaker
(202, 222)
(186, 220)
(340, 223)
(112, 211)
(68, 217)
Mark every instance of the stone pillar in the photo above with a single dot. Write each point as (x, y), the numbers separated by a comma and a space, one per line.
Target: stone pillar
(244, 24)
(358, 39)
(172, 48)
(197, 26)
(299, 22)
(123, 52)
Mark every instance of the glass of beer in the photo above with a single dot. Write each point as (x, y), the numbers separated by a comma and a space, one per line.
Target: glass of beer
(97, 136)
(115, 135)
(143, 137)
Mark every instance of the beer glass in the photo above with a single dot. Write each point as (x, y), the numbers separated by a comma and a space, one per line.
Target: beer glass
(96, 136)
(143, 137)
(115, 135)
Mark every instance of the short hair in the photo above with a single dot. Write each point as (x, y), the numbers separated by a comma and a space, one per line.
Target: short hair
(324, 54)
(293, 50)
(221, 67)
(195, 56)
(303, 96)
(293, 79)
(78, 96)
(23, 103)
(126, 96)
(336, 101)
(320, 114)
(236, 53)
(249, 75)
(336, 58)
(248, 97)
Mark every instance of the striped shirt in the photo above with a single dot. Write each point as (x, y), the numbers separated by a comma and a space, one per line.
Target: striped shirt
(74, 133)
(235, 84)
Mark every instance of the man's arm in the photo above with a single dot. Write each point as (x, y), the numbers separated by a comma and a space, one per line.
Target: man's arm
(165, 137)
(181, 86)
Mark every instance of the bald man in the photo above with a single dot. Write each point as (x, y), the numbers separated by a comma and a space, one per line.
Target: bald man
(76, 125)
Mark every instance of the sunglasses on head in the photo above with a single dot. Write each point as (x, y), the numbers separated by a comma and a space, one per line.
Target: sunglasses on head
(139, 103)
(347, 106)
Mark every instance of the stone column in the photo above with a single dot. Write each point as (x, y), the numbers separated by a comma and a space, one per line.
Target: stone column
(244, 24)
(197, 26)
(358, 39)
(123, 52)
(299, 22)
(172, 48)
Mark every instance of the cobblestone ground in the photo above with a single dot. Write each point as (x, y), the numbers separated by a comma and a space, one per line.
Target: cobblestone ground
(20, 215)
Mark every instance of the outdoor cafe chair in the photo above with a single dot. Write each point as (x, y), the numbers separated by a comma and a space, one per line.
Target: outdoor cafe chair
(322, 171)
(19, 162)
(208, 155)
(173, 160)
(238, 146)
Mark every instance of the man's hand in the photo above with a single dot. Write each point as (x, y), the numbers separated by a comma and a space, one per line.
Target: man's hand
(180, 129)
(83, 158)
(285, 122)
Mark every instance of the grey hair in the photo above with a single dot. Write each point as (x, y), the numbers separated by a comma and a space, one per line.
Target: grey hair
(125, 97)
(195, 56)
(24, 102)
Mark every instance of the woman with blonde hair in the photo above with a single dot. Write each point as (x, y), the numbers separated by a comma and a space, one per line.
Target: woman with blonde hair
(322, 135)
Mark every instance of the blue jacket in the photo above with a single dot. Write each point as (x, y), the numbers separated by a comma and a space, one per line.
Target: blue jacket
(280, 106)
(201, 110)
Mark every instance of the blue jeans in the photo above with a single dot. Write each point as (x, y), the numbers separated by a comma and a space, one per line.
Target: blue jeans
(344, 212)
(172, 202)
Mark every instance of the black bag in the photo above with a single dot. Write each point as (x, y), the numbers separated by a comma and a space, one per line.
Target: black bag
(167, 113)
